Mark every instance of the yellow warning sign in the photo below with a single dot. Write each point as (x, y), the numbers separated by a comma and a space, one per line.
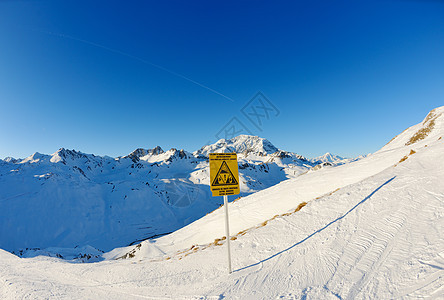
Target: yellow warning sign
(224, 175)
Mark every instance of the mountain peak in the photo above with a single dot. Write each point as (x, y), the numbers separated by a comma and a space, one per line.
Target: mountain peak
(429, 130)
(140, 152)
(63, 154)
(10, 160)
(36, 157)
(328, 158)
(240, 144)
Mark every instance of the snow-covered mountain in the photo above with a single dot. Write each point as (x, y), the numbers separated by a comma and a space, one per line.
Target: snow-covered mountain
(71, 198)
(371, 229)
(329, 160)
(242, 144)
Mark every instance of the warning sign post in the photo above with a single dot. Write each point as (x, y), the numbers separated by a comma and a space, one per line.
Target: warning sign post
(224, 181)
(224, 175)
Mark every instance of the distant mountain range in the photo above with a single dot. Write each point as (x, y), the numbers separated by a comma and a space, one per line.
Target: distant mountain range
(70, 198)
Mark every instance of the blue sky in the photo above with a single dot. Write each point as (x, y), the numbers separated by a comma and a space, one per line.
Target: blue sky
(106, 78)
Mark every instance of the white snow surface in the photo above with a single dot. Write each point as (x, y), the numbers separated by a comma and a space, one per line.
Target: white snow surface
(371, 229)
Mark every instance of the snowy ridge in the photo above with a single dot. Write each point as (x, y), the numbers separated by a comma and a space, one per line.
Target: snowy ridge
(429, 129)
(327, 157)
(70, 198)
(242, 144)
(145, 154)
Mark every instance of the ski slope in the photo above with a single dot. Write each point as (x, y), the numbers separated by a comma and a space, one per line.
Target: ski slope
(371, 229)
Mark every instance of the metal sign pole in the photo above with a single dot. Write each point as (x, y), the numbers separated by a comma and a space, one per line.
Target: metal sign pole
(227, 230)
(224, 181)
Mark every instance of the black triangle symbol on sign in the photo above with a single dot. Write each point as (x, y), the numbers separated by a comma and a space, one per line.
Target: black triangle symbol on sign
(224, 176)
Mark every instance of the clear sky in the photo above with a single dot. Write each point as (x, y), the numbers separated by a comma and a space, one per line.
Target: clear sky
(106, 77)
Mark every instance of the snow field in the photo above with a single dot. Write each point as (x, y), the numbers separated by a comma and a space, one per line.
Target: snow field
(371, 229)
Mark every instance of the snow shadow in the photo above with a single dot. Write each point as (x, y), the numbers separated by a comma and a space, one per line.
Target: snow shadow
(319, 230)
